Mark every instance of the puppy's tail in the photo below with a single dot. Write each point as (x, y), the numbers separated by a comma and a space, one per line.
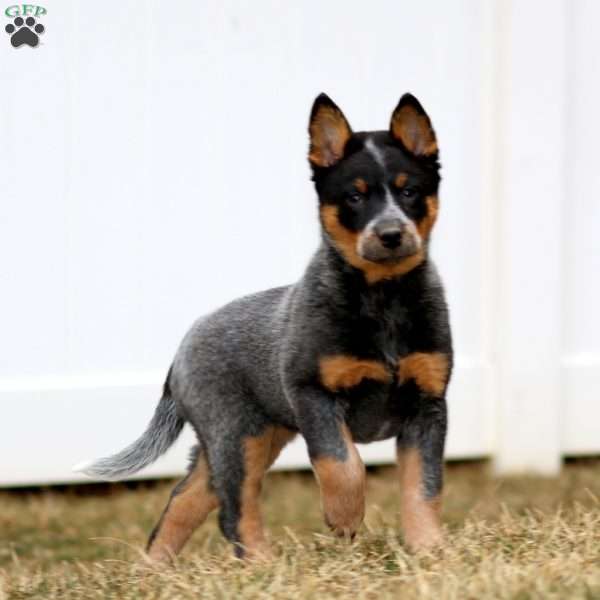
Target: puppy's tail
(161, 433)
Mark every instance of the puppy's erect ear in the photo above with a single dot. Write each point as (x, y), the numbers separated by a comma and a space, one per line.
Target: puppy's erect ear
(411, 126)
(329, 131)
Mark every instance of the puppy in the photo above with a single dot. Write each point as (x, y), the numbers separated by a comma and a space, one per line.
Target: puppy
(358, 350)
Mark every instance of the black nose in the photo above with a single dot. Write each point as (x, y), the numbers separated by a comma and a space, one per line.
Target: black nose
(390, 235)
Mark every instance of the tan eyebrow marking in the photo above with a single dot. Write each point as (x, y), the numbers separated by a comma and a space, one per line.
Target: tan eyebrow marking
(401, 180)
(361, 185)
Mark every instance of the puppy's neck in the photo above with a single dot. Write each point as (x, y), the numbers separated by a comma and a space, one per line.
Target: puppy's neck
(343, 285)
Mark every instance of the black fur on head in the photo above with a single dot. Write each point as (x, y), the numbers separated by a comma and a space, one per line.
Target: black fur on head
(380, 186)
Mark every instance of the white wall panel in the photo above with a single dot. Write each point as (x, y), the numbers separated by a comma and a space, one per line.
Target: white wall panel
(581, 295)
(530, 139)
(153, 167)
(35, 156)
(582, 203)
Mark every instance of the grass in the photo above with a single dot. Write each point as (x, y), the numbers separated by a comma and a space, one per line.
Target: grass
(514, 538)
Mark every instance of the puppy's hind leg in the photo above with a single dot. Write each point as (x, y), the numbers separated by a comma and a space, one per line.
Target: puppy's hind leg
(239, 466)
(191, 501)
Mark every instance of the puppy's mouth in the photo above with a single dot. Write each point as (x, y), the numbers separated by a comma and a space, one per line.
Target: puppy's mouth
(389, 260)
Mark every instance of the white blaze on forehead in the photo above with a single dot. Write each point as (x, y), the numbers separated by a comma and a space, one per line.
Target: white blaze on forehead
(375, 152)
(392, 210)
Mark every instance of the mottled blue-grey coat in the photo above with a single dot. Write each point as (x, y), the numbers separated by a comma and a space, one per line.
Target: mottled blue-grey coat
(358, 350)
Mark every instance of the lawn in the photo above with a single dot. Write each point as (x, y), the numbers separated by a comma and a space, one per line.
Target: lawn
(519, 537)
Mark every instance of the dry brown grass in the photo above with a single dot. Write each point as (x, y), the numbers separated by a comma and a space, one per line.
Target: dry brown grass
(512, 538)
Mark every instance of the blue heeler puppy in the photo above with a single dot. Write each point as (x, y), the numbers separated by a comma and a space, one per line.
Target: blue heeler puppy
(358, 350)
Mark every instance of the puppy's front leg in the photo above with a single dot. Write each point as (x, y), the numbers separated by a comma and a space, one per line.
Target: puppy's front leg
(335, 460)
(424, 376)
(420, 450)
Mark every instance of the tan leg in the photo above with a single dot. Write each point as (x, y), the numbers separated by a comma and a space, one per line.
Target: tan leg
(419, 515)
(259, 454)
(281, 437)
(342, 485)
(191, 502)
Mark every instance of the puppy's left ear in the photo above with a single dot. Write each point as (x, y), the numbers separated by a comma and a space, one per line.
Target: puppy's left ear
(411, 126)
(329, 132)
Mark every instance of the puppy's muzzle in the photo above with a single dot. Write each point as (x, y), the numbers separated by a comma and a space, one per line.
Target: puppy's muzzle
(389, 240)
(390, 233)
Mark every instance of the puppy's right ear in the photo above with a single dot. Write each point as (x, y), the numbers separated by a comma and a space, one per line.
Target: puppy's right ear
(411, 126)
(329, 132)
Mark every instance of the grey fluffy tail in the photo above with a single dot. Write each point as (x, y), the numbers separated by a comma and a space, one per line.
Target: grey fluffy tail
(161, 433)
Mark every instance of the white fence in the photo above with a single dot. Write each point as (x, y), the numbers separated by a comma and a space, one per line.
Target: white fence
(138, 136)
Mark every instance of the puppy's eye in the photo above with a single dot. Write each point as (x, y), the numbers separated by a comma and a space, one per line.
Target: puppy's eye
(355, 200)
(408, 192)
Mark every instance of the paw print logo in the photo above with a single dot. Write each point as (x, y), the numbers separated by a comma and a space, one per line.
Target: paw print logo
(24, 32)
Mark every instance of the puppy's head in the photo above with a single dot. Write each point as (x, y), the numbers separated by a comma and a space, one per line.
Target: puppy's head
(377, 190)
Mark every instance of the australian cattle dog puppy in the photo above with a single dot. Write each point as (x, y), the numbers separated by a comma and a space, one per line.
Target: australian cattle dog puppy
(358, 350)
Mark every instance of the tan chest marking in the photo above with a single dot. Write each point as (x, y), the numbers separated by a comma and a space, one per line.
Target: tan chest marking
(343, 372)
(428, 370)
